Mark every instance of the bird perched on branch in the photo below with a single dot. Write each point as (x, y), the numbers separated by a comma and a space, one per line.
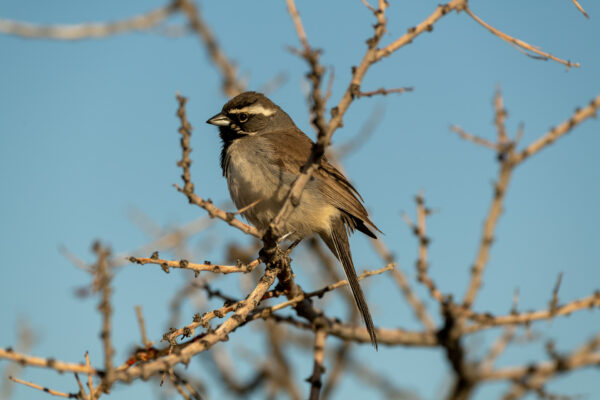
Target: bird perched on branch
(263, 152)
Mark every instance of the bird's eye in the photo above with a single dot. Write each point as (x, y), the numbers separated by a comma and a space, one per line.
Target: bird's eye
(243, 117)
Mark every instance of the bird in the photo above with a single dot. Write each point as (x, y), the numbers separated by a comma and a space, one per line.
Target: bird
(262, 153)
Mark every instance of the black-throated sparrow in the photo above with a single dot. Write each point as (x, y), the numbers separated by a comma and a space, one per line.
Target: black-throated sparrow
(262, 154)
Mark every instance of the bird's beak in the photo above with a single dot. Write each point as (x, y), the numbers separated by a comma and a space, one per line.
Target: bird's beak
(219, 120)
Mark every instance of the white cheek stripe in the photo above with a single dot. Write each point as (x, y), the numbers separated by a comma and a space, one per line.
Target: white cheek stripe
(254, 109)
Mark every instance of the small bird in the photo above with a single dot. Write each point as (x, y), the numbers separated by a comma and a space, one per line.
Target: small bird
(263, 152)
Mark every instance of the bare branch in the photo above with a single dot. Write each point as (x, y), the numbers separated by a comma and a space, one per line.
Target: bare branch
(44, 389)
(580, 8)
(488, 320)
(500, 119)
(102, 280)
(26, 340)
(425, 26)
(51, 363)
(90, 382)
(188, 187)
(318, 293)
(384, 92)
(497, 348)
(187, 350)
(415, 303)
(519, 43)
(231, 85)
(142, 324)
(547, 368)
(409, 294)
(184, 264)
(420, 232)
(473, 138)
(298, 24)
(580, 115)
(491, 221)
(88, 30)
(82, 394)
(554, 300)
(318, 368)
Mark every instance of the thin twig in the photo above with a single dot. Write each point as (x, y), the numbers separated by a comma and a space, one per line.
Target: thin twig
(545, 368)
(102, 284)
(554, 300)
(26, 340)
(473, 138)
(82, 394)
(177, 385)
(486, 320)
(142, 324)
(317, 293)
(44, 389)
(417, 306)
(282, 368)
(89, 30)
(184, 264)
(487, 363)
(231, 85)
(59, 366)
(409, 294)
(580, 8)
(318, 369)
(384, 92)
(500, 119)
(356, 334)
(580, 115)
(517, 42)
(425, 26)
(224, 367)
(506, 155)
(90, 382)
(420, 231)
(249, 206)
(298, 24)
(340, 364)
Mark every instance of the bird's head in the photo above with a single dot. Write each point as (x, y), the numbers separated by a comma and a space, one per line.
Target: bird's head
(250, 113)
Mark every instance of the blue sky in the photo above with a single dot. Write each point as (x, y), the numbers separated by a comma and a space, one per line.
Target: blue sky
(88, 131)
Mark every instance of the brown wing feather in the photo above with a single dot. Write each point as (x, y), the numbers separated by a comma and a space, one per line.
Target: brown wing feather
(292, 151)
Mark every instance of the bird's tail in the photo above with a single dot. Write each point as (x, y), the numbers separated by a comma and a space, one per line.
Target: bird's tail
(338, 243)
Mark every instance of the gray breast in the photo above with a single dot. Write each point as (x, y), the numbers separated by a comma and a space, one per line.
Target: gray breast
(254, 175)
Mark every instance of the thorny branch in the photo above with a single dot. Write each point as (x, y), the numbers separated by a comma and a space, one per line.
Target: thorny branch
(457, 320)
(188, 187)
(509, 158)
(197, 268)
(102, 281)
(420, 232)
(232, 85)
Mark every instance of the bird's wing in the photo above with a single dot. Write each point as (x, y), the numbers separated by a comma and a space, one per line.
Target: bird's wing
(292, 149)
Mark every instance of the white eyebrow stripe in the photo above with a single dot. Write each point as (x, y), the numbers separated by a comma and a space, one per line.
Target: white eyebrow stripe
(254, 109)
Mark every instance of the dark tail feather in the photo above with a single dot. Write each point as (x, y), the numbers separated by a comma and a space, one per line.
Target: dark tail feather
(339, 246)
